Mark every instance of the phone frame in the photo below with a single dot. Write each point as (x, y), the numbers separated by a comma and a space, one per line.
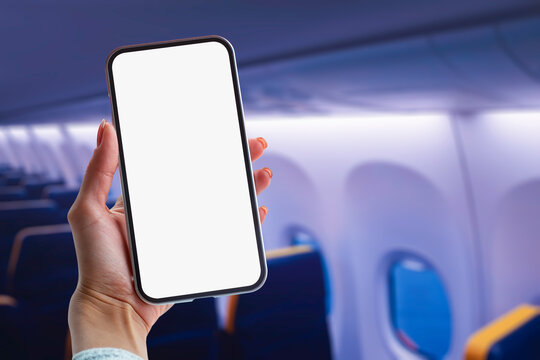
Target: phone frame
(123, 175)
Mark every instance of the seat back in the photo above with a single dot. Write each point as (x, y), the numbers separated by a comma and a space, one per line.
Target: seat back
(515, 335)
(286, 318)
(42, 264)
(12, 177)
(12, 193)
(186, 331)
(16, 215)
(42, 276)
(35, 187)
(62, 195)
(11, 346)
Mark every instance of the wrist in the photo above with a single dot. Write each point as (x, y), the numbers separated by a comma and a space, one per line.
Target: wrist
(97, 320)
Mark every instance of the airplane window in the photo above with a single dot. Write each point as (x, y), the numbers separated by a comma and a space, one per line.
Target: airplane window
(20, 141)
(46, 140)
(19, 133)
(419, 308)
(83, 136)
(300, 236)
(49, 133)
(7, 158)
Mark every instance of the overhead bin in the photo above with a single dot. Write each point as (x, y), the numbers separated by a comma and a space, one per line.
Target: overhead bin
(486, 67)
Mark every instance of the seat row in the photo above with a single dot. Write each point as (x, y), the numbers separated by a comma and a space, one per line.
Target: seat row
(15, 184)
(28, 200)
(285, 319)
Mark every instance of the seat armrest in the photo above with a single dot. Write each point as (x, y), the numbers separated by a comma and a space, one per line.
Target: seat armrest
(6, 300)
(515, 335)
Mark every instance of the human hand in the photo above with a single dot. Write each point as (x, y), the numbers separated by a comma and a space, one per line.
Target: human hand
(104, 310)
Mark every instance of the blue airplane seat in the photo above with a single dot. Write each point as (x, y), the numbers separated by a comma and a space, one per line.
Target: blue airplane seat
(42, 276)
(299, 236)
(12, 193)
(11, 346)
(31, 177)
(186, 331)
(61, 195)
(13, 178)
(286, 318)
(16, 215)
(35, 187)
(515, 335)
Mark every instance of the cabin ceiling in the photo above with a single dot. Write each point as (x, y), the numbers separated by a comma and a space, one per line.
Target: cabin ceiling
(485, 67)
(303, 56)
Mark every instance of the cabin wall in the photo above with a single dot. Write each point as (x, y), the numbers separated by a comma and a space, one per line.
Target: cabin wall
(377, 189)
(502, 155)
(456, 191)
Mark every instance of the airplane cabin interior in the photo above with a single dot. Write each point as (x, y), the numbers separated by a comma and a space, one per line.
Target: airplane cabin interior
(404, 139)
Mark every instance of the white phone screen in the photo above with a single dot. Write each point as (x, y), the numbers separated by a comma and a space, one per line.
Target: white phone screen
(186, 173)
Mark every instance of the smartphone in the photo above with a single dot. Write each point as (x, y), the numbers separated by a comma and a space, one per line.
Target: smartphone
(187, 182)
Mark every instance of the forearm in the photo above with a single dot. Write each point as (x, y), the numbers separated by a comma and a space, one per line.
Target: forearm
(96, 321)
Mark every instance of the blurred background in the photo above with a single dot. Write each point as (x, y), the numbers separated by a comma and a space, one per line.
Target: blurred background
(404, 137)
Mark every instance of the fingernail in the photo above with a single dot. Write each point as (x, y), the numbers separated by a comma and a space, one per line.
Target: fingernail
(269, 172)
(264, 209)
(100, 131)
(263, 142)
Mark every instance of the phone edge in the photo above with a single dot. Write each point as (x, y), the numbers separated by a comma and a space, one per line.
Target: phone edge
(125, 190)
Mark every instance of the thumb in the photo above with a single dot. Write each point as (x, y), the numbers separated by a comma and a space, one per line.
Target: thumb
(100, 171)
